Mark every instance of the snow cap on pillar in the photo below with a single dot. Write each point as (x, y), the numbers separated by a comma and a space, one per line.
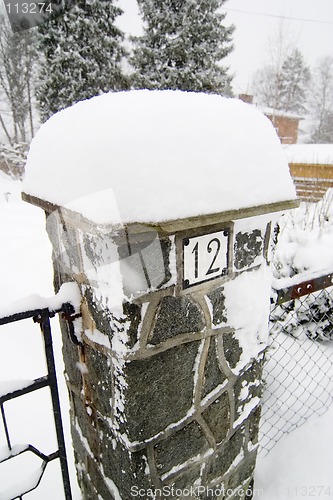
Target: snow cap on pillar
(148, 156)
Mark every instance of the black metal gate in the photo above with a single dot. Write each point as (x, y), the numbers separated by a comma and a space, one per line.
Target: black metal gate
(41, 316)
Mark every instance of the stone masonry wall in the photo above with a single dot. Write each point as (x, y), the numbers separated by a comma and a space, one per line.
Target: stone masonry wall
(164, 392)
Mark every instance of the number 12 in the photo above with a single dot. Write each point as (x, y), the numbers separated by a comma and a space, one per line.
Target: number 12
(209, 249)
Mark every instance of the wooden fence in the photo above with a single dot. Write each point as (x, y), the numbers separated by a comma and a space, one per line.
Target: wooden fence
(311, 180)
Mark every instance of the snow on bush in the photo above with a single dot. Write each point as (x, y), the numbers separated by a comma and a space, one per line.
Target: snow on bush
(305, 250)
(311, 316)
(12, 159)
(305, 240)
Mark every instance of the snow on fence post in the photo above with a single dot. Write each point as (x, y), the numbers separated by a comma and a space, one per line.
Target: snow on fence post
(159, 205)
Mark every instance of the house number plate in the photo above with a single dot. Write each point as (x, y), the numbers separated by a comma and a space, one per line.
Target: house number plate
(205, 257)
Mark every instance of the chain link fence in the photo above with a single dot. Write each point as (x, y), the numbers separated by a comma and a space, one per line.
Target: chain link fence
(298, 372)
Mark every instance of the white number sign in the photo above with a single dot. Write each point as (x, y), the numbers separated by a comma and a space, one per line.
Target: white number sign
(205, 257)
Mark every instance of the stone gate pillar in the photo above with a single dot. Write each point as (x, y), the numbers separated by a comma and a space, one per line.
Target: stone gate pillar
(168, 241)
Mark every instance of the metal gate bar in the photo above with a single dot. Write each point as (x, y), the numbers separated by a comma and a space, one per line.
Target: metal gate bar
(41, 316)
(304, 288)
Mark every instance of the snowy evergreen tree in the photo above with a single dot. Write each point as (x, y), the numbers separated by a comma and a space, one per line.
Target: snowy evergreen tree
(283, 86)
(267, 86)
(17, 66)
(182, 47)
(323, 132)
(295, 80)
(321, 102)
(82, 55)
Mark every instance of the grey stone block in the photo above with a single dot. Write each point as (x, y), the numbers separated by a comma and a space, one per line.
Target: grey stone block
(254, 420)
(186, 479)
(217, 416)
(132, 320)
(251, 381)
(144, 260)
(226, 455)
(69, 240)
(232, 349)
(98, 380)
(80, 452)
(94, 483)
(176, 315)
(71, 358)
(159, 391)
(102, 317)
(98, 250)
(213, 376)
(186, 444)
(243, 473)
(128, 470)
(247, 247)
(217, 300)
(85, 423)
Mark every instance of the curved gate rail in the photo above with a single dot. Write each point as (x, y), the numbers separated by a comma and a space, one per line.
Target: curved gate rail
(41, 316)
(298, 370)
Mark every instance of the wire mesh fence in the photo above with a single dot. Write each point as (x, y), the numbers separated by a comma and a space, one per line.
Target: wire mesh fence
(298, 372)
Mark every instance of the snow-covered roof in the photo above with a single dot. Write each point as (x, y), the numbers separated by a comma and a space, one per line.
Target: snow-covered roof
(281, 113)
(320, 154)
(149, 156)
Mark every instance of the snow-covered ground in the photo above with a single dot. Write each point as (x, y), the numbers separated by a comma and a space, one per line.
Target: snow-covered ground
(300, 465)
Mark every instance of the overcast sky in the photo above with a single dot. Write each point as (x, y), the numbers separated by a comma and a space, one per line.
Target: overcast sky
(308, 22)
